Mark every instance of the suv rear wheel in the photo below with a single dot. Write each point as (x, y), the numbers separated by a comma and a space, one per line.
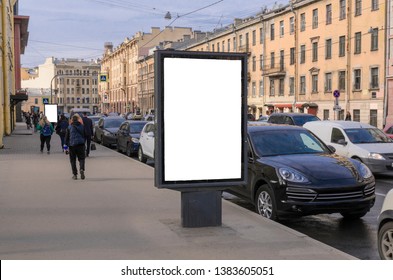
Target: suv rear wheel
(141, 156)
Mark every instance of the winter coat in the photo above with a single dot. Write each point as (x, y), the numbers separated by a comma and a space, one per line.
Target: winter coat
(61, 127)
(39, 127)
(75, 134)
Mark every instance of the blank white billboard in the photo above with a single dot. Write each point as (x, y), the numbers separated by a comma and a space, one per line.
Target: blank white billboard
(200, 142)
(50, 111)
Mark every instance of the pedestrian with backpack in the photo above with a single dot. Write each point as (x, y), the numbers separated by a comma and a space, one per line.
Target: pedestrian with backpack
(61, 129)
(46, 131)
(75, 140)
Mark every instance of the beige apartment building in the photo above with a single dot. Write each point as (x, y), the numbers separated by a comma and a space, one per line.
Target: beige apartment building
(75, 84)
(70, 83)
(121, 91)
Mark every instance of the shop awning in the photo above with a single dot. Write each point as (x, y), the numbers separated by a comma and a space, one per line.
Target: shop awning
(287, 105)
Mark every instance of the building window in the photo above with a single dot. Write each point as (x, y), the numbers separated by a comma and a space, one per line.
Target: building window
(302, 84)
(271, 91)
(254, 89)
(315, 51)
(341, 51)
(291, 86)
(223, 46)
(229, 45)
(281, 87)
(254, 37)
(36, 101)
(303, 22)
(212, 47)
(218, 47)
(374, 118)
(292, 56)
(315, 18)
(374, 5)
(261, 35)
(291, 25)
(329, 14)
(272, 60)
(314, 83)
(358, 7)
(357, 73)
(358, 42)
(374, 39)
(328, 82)
(328, 54)
(282, 28)
(234, 44)
(302, 54)
(254, 63)
(325, 115)
(261, 88)
(272, 32)
(343, 9)
(356, 115)
(374, 78)
(341, 80)
(261, 62)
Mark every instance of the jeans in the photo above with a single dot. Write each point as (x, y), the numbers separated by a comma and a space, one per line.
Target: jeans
(88, 144)
(77, 152)
(45, 140)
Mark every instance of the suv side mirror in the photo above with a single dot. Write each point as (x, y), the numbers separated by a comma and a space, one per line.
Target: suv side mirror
(342, 142)
(331, 148)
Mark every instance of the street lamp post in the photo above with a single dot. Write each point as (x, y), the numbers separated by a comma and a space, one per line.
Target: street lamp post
(51, 86)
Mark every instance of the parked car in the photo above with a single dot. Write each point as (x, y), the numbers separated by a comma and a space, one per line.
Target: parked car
(385, 228)
(298, 119)
(292, 173)
(389, 130)
(250, 117)
(105, 132)
(80, 111)
(128, 136)
(359, 141)
(95, 120)
(263, 118)
(146, 142)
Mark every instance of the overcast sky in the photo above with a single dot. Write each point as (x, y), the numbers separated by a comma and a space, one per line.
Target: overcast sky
(79, 28)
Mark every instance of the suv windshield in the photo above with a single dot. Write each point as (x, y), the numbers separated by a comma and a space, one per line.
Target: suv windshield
(286, 142)
(108, 123)
(300, 120)
(367, 135)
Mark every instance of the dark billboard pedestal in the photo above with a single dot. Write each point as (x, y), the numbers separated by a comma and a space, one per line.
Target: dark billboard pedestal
(201, 208)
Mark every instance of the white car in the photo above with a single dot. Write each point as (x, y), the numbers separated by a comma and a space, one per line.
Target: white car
(356, 140)
(385, 228)
(146, 142)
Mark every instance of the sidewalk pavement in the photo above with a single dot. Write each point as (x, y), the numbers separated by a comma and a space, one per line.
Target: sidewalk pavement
(117, 213)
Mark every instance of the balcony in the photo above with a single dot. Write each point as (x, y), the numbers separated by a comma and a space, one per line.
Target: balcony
(245, 49)
(274, 71)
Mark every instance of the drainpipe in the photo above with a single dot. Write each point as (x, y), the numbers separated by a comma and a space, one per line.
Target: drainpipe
(296, 58)
(387, 73)
(349, 47)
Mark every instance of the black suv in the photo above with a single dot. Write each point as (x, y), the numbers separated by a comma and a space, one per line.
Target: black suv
(292, 118)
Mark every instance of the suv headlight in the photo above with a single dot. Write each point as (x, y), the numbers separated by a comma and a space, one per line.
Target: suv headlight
(364, 171)
(288, 174)
(376, 156)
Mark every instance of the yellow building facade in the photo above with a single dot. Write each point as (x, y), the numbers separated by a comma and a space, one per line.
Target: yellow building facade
(121, 91)
(300, 54)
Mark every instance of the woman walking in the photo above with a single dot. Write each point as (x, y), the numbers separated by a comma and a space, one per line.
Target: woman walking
(75, 140)
(46, 131)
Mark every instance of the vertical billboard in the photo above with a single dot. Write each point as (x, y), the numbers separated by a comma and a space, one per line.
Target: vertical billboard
(50, 111)
(201, 119)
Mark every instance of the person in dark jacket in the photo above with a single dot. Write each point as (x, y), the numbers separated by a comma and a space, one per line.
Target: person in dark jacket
(88, 123)
(61, 129)
(75, 140)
